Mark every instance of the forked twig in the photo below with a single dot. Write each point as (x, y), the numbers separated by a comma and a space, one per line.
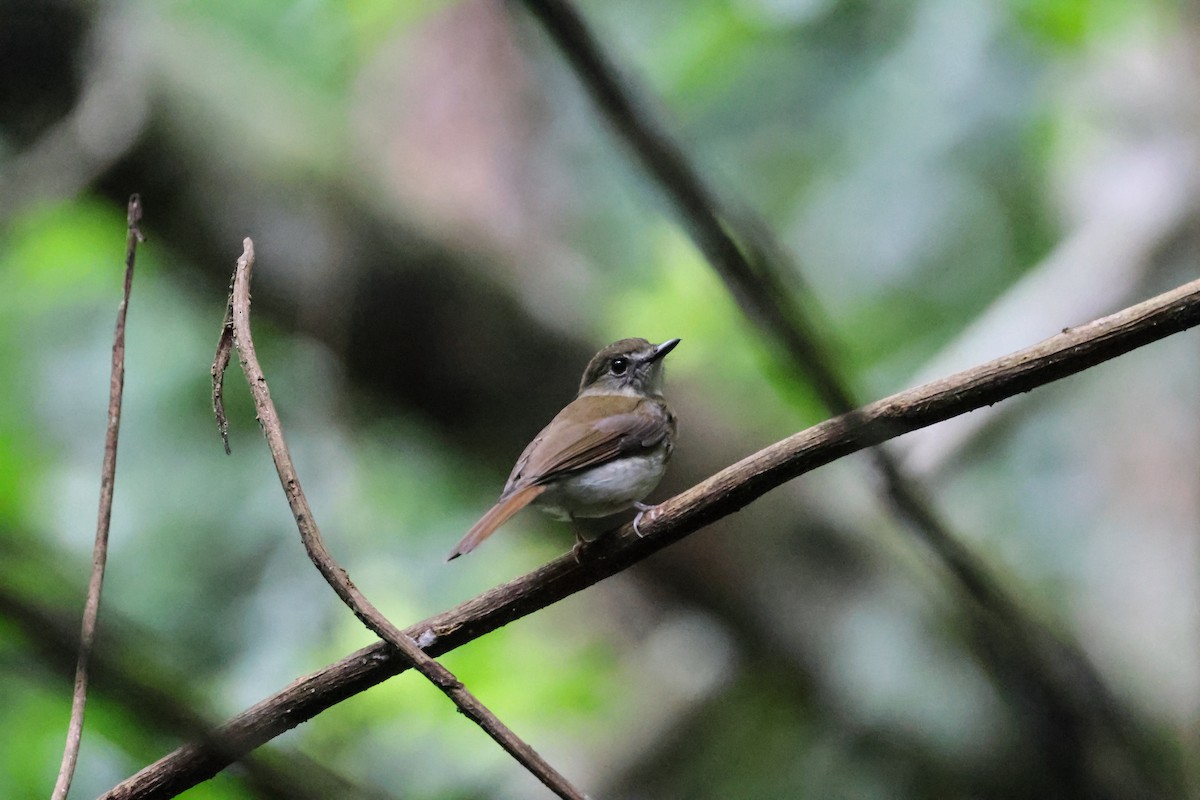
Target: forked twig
(236, 333)
(738, 485)
(108, 472)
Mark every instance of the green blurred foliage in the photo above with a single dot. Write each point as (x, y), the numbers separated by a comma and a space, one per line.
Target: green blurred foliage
(1072, 24)
(911, 158)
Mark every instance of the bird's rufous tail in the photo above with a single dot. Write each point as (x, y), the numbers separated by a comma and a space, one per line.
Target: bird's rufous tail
(494, 518)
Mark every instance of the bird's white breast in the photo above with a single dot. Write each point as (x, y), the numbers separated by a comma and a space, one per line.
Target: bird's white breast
(605, 489)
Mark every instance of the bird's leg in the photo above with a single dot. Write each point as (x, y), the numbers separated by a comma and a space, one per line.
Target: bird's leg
(581, 544)
(642, 510)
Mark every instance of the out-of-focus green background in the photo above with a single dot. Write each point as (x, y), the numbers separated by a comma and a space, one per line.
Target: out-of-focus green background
(446, 231)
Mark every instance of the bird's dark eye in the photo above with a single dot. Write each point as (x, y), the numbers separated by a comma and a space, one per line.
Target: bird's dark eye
(619, 365)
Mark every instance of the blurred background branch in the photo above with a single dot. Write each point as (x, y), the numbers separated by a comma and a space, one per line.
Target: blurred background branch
(1042, 664)
(441, 213)
(718, 496)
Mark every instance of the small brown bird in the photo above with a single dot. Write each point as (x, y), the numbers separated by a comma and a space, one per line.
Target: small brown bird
(603, 453)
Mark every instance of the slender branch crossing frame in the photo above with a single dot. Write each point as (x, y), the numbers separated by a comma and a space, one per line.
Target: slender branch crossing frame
(1067, 353)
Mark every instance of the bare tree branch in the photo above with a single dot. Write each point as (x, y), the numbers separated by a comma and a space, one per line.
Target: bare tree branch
(759, 274)
(108, 472)
(738, 246)
(742, 250)
(125, 673)
(1140, 195)
(235, 332)
(1070, 352)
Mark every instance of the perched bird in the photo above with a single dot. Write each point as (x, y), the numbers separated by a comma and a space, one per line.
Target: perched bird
(603, 453)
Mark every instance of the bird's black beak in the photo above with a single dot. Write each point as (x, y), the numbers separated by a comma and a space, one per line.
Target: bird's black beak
(662, 349)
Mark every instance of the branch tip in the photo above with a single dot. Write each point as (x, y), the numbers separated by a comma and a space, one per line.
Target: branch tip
(133, 216)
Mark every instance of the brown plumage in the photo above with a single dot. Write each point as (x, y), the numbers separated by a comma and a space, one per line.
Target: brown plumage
(601, 454)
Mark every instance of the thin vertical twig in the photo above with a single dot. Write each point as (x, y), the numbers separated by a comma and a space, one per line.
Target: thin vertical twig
(108, 471)
(235, 333)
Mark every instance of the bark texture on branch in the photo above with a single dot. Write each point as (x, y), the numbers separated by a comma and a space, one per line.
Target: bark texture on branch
(1050, 670)
(236, 334)
(1067, 353)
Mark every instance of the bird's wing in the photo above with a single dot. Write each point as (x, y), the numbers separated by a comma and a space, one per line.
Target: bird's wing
(579, 438)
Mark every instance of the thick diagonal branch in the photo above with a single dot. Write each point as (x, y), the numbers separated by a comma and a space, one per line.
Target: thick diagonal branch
(759, 274)
(236, 333)
(744, 253)
(1068, 353)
